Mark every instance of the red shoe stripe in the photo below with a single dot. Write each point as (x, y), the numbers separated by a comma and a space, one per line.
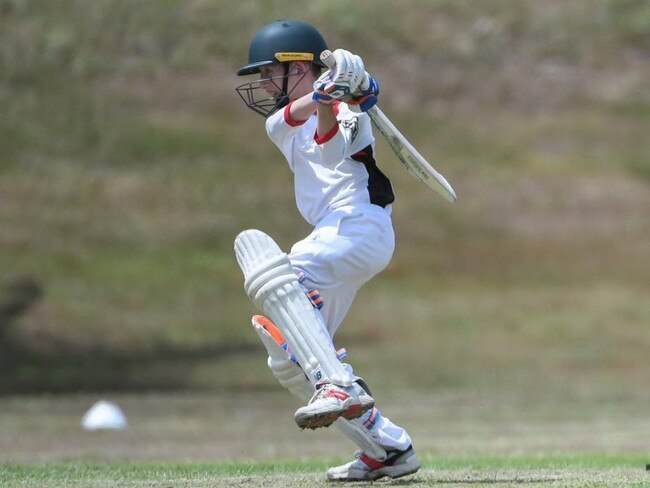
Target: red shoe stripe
(370, 462)
(340, 395)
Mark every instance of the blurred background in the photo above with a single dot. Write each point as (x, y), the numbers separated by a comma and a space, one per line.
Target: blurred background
(128, 164)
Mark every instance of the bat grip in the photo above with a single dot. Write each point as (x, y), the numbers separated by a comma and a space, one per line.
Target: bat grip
(327, 58)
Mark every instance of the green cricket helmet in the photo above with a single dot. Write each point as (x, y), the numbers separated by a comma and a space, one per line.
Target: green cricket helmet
(280, 41)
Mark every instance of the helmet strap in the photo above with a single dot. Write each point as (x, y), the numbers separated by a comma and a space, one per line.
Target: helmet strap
(283, 100)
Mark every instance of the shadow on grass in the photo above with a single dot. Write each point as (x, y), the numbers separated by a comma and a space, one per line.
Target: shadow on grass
(71, 369)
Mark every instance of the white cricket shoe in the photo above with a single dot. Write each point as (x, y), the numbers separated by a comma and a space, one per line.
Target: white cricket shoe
(365, 468)
(330, 402)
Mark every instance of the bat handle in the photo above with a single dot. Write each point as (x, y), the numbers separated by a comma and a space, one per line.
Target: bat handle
(330, 61)
(327, 58)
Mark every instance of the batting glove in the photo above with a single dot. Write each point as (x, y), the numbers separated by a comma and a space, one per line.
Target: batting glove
(328, 92)
(339, 83)
(364, 100)
(349, 69)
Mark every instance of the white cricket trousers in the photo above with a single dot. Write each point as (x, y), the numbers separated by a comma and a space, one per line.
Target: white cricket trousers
(344, 251)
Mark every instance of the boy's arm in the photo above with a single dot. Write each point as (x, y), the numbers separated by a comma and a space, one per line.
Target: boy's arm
(305, 106)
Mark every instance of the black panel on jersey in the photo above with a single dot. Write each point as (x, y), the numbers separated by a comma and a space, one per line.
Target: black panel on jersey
(379, 187)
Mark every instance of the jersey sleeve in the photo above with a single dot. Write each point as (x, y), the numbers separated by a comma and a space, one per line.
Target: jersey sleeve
(351, 134)
(281, 128)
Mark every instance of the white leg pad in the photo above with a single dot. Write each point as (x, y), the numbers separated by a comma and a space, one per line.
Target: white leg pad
(357, 433)
(284, 369)
(293, 379)
(271, 283)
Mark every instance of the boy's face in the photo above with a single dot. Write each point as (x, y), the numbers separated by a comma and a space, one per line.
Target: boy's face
(271, 78)
(275, 87)
(298, 81)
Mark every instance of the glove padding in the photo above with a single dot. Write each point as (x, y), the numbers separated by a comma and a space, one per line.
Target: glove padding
(349, 69)
(360, 101)
(364, 99)
(342, 81)
(326, 92)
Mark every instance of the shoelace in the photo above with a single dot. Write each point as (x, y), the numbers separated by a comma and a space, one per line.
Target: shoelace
(321, 388)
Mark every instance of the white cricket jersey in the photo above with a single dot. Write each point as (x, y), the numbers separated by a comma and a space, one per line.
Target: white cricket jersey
(330, 170)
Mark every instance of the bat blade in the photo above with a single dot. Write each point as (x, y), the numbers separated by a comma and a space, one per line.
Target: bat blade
(412, 160)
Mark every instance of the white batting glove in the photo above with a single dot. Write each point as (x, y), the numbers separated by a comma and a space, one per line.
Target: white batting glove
(326, 92)
(366, 97)
(349, 69)
(341, 82)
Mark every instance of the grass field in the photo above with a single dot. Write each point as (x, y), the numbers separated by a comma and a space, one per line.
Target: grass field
(515, 321)
(500, 472)
(495, 438)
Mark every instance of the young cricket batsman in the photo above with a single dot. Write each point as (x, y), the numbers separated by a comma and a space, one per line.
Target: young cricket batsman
(316, 118)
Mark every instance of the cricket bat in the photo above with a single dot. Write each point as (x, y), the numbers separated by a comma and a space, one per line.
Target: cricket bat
(410, 158)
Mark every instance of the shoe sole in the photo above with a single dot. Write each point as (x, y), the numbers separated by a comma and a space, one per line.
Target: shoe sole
(393, 476)
(386, 471)
(379, 474)
(325, 419)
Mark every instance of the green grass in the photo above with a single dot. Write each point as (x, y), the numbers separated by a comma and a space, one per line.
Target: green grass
(248, 436)
(570, 470)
